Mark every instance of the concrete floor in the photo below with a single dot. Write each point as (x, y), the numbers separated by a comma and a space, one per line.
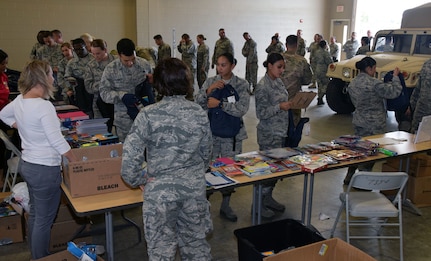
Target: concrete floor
(325, 126)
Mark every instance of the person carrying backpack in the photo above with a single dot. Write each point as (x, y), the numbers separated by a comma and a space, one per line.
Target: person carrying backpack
(226, 98)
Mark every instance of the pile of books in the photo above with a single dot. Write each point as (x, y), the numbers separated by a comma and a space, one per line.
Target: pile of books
(92, 127)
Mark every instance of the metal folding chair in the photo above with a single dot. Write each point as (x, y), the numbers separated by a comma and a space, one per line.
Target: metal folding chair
(370, 207)
(12, 162)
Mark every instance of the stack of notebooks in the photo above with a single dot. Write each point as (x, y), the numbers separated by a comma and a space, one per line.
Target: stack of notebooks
(217, 180)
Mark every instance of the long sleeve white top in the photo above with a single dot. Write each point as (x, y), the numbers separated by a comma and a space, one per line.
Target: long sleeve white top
(39, 129)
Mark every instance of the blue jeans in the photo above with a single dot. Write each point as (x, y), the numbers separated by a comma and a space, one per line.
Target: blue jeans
(44, 189)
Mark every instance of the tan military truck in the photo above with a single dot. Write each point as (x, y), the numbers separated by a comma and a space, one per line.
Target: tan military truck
(406, 48)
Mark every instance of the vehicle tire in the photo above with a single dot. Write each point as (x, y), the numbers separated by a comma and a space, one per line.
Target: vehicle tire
(337, 97)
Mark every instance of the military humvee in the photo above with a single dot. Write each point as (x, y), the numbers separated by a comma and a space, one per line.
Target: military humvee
(406, 48)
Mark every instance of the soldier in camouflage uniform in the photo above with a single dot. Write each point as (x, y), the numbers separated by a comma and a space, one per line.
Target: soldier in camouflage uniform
(203, 60)
(222, 45)
(174, 137)
(334, 50)
(120, 77)
(37, 45)
(164, 50)
(323, 59)
(92, 77)
(297, 72)
(188, 53)
(301, 43)
(420, 99)
(51, 52)
(368, 95)
(75, 69)
(275, 46)
(351, 46)
(226, 147)
(314, 46)
(64, 87)
(272, 107)
(249, 51)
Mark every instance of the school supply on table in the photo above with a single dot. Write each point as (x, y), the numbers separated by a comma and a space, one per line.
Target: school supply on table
(216, 180)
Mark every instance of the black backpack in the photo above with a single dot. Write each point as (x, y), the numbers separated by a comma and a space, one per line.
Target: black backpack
(402, 102)
(223, 124)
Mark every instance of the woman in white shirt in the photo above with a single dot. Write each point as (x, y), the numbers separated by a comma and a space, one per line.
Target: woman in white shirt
(43, 145)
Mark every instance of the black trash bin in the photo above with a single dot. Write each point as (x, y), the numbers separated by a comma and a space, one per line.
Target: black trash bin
(274, 236)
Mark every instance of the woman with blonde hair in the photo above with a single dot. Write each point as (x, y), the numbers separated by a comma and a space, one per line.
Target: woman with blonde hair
(43, 145)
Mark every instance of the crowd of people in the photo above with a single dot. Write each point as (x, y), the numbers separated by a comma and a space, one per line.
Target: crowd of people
(168, 129)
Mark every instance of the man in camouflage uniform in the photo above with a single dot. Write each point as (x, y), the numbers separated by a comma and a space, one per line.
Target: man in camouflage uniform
(297, 72)
(92, 77)
(301, 43)
(420, 100)
(75, 73)
(249, 51)
(174, 137)
(334, 50)
(51, 52)
(314, 46)
(203, 60)
(187, 50)
(351, 46)
(322, 59)
(222, 45)
(164, 50)
(120, 77)
(275, 46)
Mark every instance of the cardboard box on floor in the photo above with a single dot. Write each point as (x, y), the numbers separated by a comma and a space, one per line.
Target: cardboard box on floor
(98, 171)
(62, 256)
(333, 249)
(11, 227)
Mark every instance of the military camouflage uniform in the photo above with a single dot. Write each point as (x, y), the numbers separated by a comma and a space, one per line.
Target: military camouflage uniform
(188, 56)
(33, 52)
(350, 48)
(249, 51)
(368, 95)
(301, 47)
(222, 45)
(203, 64)
(273, 122)
(363, 49)
(314, 46)
(334, 50)
(163, 52)
(420, 99)
(177, 138)
(51, 54)
(224, 147)
(297, 72)
(62, 83)
(322, 59)
(76, 68)
(276, 48)
(93, 74)
(118, 80)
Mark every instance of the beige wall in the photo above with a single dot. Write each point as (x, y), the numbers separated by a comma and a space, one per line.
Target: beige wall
(140, 20)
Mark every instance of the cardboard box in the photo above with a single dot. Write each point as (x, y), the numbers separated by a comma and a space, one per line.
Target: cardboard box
(98, 171)
(420, 165)
(333, 249)
(419, 191)
(11, 226)
(63, 232)
(62, 256)
(255, 241)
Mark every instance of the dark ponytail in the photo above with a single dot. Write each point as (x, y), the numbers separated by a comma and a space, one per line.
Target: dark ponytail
(364, 63)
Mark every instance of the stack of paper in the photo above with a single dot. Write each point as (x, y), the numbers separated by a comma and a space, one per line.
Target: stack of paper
(217, 180)
(92, 127)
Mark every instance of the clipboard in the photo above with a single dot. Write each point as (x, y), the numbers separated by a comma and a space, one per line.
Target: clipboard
(302, 100)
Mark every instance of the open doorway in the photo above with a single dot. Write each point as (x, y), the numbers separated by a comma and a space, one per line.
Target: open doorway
(340, 28)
